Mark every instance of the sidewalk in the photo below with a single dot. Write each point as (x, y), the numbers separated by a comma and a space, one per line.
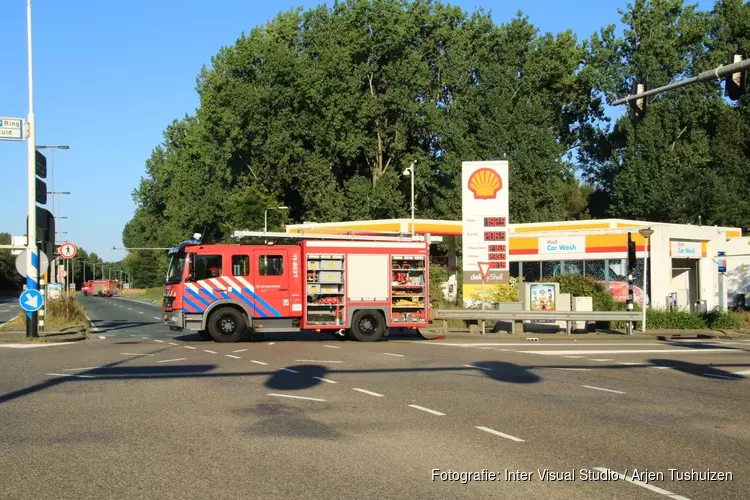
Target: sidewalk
(436, 331)
(16, 336)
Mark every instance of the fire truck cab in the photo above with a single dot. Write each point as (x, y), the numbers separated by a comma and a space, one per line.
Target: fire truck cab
(359, 286)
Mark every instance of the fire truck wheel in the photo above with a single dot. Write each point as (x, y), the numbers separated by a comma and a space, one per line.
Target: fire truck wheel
(227, 325)
(368, 325)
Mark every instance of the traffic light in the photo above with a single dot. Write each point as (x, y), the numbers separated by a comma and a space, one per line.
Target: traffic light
(45, 231)
(631, 254)
(41, 172)
(638, 106)
(734, 84)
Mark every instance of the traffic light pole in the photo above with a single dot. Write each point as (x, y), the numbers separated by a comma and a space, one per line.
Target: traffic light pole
(32, 250)
(712, 74)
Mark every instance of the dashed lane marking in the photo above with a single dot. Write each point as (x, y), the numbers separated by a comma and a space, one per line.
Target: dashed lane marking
(315, 361)
(172, 343)
(651, 487)
(289, 370)
(367, 392)
(171, 360)
(135, 354)
(240, 350)
(159, 341)
(332, 346)
(80, 369)
(189, 347)
(573, 357)
(294, 397)
(258, 362)
(207, 350)
(233, 356)
(271, 343)
(498, 433)
(600, 359)
(428, 410)
(157, 317)
(325, 380)
(574, 369)
(602, 389)
(392, 354)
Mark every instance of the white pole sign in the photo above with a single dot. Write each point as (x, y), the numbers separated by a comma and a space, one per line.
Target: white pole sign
(11, 129)
(485, 226)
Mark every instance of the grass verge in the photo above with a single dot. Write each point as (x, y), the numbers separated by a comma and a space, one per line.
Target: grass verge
(64, 315)
(152, 294)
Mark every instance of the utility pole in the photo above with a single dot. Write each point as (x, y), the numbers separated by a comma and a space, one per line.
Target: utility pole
(32, 250)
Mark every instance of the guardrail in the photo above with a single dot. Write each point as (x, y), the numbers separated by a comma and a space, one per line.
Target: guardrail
(517, 317)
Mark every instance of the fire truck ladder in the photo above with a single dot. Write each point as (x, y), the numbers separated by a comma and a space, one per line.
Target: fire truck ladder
(345, 237)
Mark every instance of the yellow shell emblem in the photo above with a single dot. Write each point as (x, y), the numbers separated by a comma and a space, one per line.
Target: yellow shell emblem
(485, 183)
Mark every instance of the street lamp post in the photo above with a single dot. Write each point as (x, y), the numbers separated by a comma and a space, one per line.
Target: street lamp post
(265, 216)
(410, 172)
(646, 233)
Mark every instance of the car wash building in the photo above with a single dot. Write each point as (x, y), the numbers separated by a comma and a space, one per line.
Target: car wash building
(677, 264)
(682, 268)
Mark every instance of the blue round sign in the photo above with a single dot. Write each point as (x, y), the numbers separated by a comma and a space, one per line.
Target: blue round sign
(31, 300)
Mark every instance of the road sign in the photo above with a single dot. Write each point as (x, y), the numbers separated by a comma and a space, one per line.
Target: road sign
(11, 129)
(61, 274)
(31, 300)
(68, 250)
(21, 263)
(484, 269)
(722, 262)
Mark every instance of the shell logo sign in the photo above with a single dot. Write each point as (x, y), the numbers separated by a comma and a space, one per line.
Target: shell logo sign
(485, 183)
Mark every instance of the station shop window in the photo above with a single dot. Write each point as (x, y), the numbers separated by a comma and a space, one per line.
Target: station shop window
(515, 269)
(240, 265)
(595, 269)
(531, 271)
(572, 267)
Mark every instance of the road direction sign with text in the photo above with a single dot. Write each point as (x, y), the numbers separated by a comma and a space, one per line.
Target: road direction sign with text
(31, 300)
(68, 250)
(11, 129)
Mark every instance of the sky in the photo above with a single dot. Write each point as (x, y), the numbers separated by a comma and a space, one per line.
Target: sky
(109, 76)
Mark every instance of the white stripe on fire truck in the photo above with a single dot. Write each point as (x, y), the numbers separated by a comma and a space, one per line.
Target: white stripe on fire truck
(245, 283)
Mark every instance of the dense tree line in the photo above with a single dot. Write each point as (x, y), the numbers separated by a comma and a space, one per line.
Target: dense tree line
(321, 110)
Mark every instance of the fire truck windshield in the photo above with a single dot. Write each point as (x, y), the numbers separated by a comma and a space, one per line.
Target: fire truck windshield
(176, 265)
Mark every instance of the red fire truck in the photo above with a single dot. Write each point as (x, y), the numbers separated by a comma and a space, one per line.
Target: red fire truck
(341, 284)
(104, 288)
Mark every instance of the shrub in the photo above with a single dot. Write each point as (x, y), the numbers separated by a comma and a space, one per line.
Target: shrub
(54, 313)
(724, 320)
(438, 276)
(675, 319)
(578, 285)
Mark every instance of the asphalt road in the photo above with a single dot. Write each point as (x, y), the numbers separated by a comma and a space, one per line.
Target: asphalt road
(9, 308)
(142, 412)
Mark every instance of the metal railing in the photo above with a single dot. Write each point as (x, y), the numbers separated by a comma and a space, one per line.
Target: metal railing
(517, 317)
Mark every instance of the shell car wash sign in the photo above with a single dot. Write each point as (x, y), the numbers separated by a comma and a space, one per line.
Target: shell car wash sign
(484, 206)
(684, 249)
(562, 245)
